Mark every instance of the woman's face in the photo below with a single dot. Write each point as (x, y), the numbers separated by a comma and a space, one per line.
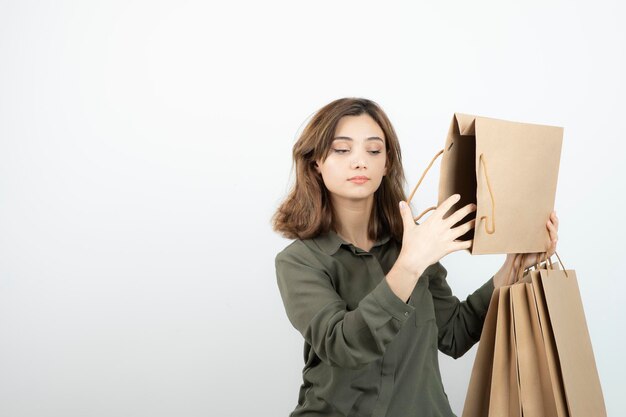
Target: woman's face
(358, 150)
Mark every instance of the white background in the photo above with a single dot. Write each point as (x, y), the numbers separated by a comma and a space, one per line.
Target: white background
(144, 146)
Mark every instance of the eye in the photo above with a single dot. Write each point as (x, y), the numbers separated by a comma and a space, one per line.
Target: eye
(375, 152)
(341, 150)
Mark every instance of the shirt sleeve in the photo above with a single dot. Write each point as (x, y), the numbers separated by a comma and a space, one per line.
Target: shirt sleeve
(341, 338)
(460, 323)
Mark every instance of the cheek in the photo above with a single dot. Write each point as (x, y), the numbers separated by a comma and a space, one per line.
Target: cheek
(380, 164)
(331, 173)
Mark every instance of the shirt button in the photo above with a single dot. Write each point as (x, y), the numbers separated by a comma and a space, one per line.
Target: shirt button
(406, 313)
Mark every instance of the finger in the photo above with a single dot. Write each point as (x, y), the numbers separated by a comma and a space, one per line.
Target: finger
(460, 245)
(552, 248)
(553, 231)
(446, 205)
(553, 223)
(407, 215)
(554, 219)
(527, 261)
(531, 260)
(460, 214)
(464, 228)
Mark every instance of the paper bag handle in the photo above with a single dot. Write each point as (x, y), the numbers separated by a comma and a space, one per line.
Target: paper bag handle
(420, 181)
(493, 201)
(543, 259)
(561, 262)
(489, 230)
(549, 261)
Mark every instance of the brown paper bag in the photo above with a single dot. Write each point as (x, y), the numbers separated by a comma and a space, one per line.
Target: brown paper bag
(477, 399)
(537, 394)
(549, 346)
(497, 164)
(493, 390)
(581, 382)
(514, 400)
(535, 356)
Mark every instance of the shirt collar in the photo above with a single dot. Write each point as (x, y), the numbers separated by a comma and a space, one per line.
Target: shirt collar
(331, 242)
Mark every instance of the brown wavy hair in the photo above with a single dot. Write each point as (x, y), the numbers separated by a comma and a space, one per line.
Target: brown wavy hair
(307, 210)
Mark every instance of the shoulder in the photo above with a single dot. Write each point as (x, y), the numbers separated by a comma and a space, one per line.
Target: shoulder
(296, 249)
(293, 250)
(302, 251)
(300, 266)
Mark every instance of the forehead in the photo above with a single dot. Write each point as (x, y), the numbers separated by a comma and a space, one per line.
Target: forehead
(359, 128)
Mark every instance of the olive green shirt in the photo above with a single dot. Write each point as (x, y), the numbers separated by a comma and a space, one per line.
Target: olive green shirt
(366, 352)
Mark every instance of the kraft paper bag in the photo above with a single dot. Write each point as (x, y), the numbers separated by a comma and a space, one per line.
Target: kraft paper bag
(565, 312)
(493, 389)
(477, 398)
(497, 165)
(549, 345)
(511, 334)
(504, 398)
(537, 394)
(535, 356)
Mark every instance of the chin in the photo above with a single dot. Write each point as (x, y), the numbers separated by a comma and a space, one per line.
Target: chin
(363, 195)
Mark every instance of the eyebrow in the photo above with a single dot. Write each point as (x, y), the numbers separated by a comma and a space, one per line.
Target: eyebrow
(350, 139)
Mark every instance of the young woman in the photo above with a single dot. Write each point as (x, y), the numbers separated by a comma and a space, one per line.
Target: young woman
(362, 281)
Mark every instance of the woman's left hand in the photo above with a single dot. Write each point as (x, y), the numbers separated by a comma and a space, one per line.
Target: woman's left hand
(506, 274)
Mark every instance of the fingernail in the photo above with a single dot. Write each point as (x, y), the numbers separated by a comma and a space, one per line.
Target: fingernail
(402, 205)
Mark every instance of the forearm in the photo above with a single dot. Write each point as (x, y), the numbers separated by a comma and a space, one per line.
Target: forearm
(353, 339)
(402, 281)
(504, 276)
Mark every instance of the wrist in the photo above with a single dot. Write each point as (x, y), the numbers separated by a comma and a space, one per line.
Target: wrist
(410, 268)
(504, 276)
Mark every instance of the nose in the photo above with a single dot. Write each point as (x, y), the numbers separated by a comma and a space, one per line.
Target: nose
(359, 163)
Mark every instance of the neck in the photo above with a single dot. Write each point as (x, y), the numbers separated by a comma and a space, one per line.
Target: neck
(352, 219)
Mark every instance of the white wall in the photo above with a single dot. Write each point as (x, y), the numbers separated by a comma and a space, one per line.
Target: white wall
(144, 146)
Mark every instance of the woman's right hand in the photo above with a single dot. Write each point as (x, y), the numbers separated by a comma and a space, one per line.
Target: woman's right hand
(428, 242)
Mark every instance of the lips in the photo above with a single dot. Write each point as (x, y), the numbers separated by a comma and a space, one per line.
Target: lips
(359, 180)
